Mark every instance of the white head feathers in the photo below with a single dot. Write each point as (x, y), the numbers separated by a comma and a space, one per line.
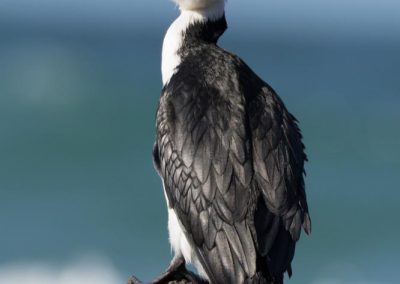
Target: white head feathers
(199, 5)
(208, 9)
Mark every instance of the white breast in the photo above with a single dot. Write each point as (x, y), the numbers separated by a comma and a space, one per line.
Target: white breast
(179, 242)
(177, 238)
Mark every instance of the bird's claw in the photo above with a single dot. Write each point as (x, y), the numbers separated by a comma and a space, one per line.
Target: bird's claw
(134, 280)
(176, 273)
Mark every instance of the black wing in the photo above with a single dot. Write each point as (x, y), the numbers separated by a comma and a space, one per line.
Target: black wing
(205, 161)
(278, 161)
(278, 157)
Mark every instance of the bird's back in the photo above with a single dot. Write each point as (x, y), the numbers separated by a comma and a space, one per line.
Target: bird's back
(230, 156)
(212, 114)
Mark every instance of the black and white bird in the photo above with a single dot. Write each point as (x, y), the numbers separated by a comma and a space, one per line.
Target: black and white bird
(230, 156)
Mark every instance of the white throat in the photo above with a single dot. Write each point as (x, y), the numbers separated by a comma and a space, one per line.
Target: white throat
(173, 39)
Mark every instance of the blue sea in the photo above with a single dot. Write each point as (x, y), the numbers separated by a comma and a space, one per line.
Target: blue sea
(80, 201)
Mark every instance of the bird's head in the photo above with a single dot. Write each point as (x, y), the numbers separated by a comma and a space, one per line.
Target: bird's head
(199, 5)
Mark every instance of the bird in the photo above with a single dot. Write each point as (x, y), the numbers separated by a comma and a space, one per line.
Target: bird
(230, 156)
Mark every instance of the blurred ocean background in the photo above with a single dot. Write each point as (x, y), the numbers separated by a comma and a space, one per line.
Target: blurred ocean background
(80, 201)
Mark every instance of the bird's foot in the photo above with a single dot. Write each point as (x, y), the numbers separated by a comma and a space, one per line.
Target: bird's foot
(134, 280)
(176, 273)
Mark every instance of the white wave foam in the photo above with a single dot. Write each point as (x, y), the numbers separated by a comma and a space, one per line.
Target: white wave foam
(82, 271)
(97, 270)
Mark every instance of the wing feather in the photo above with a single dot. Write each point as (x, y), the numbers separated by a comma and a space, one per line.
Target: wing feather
(207, 171)
(279, 160)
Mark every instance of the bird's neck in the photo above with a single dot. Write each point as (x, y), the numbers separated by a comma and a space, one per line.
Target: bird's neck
(190, 28)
